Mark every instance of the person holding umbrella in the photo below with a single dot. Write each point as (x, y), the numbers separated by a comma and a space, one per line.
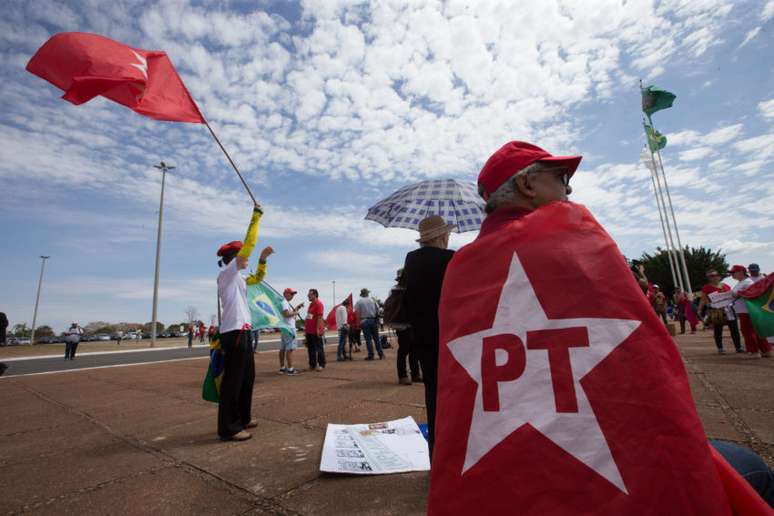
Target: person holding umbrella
(236, 389)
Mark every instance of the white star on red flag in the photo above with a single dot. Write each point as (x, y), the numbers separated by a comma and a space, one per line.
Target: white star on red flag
(528, 369)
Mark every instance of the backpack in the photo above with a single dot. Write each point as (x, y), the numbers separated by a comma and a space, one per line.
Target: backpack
(395, 315)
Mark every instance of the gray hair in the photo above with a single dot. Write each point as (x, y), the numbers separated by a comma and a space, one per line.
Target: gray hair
(505, 192)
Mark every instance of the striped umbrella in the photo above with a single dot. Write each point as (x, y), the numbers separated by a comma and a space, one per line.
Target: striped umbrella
(457, 202)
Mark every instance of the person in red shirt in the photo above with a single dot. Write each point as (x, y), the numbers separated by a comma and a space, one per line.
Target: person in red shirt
(314, 329)
(717, 317)
(354, 332)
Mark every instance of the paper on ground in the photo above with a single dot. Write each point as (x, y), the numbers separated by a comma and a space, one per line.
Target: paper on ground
(375, 448)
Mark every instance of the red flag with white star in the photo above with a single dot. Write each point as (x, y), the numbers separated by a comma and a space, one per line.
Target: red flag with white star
(87, 65)
(559, 389)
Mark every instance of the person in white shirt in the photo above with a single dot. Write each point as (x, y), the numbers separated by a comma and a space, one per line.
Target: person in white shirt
(72, 338)
(343, 328)
(756, 345)
(236, 388)
(755, 272)
(368, 311)
(288, 341)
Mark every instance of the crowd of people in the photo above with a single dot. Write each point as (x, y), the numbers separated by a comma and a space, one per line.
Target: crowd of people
(712, 311)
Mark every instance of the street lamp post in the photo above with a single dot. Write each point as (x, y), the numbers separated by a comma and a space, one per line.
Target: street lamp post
(37, 298)
(334, 293)
(163, 167)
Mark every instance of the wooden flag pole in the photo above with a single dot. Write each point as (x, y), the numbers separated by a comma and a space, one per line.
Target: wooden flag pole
(231, 161)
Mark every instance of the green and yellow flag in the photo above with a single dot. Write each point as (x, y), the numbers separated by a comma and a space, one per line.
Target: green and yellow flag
(655, 99)
(759, 298)
(656, 140)
(266, 308)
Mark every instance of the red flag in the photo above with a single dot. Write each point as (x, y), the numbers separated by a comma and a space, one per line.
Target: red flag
(559, 390)
(330, 321)
(87, 65)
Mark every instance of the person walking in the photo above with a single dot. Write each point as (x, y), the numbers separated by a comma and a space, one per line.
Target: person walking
(756, 346)
(342, 326)
(314, 329)
(718, 316)
(72, 338)
(424, 270)
(405, 347)
(236, 388)
(368, 312)
(202, 331)
(684, 310)
(288, 341)
(190, 335)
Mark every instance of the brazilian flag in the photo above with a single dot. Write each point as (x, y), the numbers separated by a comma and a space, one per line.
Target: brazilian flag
(759, 298)
(265, 305)
(656, 140)
(214, 376)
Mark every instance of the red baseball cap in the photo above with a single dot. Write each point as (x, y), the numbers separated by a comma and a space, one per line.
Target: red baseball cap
(738, 268)
(515, 156)
(289, 291)
(230, 248)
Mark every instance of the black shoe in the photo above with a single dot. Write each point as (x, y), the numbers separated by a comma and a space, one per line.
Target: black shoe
(416, 379)
(369, 358)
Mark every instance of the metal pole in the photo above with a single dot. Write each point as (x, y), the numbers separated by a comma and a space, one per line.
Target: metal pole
(233, 165)
(334, 293)
(674, 220)
(652, 168)
(163, 167)
(37, 298)
(672, 247)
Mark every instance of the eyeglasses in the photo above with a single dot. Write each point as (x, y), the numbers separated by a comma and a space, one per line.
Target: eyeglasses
(560, 173)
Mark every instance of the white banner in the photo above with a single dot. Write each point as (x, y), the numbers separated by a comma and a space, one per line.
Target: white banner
(721, 299)
(375, 449)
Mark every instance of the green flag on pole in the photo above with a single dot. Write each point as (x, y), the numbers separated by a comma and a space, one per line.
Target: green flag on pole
(266, 308)
(759, 299)
(655, 99)
(656, 140)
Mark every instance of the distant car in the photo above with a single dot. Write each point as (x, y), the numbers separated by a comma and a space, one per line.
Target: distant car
(22, 341)
(46, 340)
(102, 336)
(10, 340)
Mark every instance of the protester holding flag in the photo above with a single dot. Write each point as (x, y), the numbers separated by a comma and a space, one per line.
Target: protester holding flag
(756, 346)
(236, 388)
(718, 316)
(549, 404)
(288, 342)
(353, 320)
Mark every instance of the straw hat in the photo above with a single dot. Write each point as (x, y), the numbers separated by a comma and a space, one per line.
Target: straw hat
(433, 227)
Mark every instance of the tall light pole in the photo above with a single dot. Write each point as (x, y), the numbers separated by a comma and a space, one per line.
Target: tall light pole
(334, 293)
(37, 298)
(163, 167)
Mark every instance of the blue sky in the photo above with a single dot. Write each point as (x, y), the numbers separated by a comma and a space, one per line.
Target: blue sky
(328, 106)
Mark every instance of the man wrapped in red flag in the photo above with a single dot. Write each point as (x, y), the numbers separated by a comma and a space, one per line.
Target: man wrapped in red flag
(559, 390)
(87, 65)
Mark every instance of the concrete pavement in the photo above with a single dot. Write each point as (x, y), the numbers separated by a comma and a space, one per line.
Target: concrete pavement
(139, 439)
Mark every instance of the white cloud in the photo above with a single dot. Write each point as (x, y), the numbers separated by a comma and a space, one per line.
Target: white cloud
(768, 11)
(749, 36)
(695, 154)
(766, 108)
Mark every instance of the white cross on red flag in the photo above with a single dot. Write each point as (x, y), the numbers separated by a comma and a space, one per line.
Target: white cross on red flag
(88, 65)
(559, 390)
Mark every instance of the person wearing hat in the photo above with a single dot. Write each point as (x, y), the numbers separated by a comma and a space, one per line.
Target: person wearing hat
(718, 316)
(288, 342)
(236, 389)
(659, 302)
(756, 346)
(423, 273)
(368, 312)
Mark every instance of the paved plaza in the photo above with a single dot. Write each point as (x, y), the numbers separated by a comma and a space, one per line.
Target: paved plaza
(140, 440)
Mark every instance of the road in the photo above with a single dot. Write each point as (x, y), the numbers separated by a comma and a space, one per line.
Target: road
(101, 359)
(51, 364)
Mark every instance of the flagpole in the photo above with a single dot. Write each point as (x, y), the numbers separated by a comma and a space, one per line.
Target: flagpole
(681, 252)
(217, 140)
(661, 217)
(679, 282)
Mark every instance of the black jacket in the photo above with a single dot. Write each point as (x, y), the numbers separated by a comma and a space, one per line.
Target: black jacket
(423, 274)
